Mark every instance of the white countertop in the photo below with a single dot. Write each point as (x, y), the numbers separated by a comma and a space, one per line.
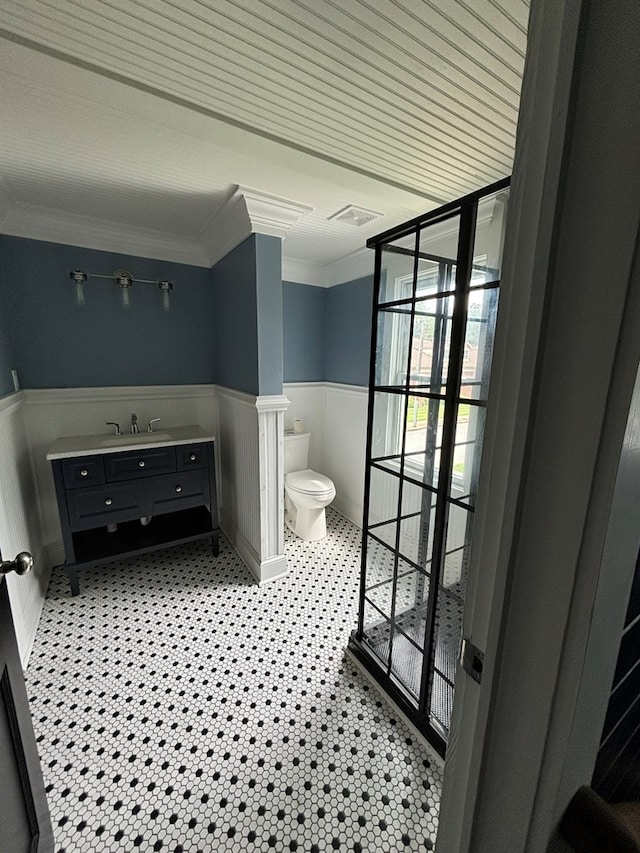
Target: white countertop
(92, 445)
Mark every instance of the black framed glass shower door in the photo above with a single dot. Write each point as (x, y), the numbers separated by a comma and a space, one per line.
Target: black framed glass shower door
(435, 307)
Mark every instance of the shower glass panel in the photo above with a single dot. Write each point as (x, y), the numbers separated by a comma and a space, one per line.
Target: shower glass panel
(435, 310)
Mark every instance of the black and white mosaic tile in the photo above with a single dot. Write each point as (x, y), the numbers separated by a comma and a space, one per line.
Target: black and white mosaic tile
(180, 707)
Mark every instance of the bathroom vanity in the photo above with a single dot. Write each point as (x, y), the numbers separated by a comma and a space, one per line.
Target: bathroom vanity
(119, 496)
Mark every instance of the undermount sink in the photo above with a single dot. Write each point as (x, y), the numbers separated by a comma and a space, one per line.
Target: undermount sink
(140, 438)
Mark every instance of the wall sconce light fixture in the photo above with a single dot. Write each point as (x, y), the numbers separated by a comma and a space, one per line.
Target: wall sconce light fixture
(124, 279)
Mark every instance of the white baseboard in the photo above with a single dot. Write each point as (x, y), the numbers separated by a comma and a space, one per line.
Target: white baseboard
(263, 571)
(273, 569)
(349, 509)
(55, 553)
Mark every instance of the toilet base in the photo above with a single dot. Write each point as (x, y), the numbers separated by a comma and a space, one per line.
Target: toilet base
(308, 524)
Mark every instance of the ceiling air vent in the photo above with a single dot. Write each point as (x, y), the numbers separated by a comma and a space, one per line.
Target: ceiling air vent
(352, 215)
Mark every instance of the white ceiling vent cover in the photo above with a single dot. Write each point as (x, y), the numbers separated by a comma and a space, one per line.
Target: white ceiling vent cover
(353, 215)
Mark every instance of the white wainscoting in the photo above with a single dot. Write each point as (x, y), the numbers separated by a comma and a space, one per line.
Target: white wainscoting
(239, 474)
(251, 479)
(20, 524)
(336, 417)
(271, 409)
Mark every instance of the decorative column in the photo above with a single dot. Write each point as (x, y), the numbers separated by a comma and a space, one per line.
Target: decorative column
(271, 409)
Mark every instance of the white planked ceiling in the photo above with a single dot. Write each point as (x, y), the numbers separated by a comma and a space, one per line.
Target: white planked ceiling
(140, 116)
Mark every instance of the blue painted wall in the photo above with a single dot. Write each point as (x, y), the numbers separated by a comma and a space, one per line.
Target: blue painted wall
(248, 306)
(57, 343)
(269, 313)
(233, 325)
(304, 331)
(236, 318)
(327, 332)
(348, 332)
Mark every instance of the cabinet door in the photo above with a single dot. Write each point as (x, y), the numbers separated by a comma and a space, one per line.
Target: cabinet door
(82, 471)
(108, 504)
(191, 456)
(181, 490)
(134, 464)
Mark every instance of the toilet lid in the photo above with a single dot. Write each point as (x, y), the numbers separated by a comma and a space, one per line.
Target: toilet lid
(309, 482)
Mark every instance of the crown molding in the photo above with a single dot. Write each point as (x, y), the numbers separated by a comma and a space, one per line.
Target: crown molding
(356, 264)
(245, 212)
(54, 226)
(271, 214)
(228, 226)
(302, 272)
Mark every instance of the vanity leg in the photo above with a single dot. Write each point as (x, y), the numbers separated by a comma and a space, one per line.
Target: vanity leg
(215, 547)
(74, 583)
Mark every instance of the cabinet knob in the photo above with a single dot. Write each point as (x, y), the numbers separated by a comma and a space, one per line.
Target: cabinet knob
(193, 457)
(141, 463)
(108, 502)
(84, 472)
(178, 489)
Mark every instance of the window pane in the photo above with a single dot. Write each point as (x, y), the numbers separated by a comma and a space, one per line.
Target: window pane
(379, 564)
(376, 632)
(448, 634)
(416, 534)
(425, 417)
(430, 344)
(412, 593)
(433, 277)
(388, 418)
(458, 542)
(441, 703)
(381, 597)
(392, 350)
(439, 241)
(397, 269)
(383, 497)
(489, 241)
(406, 664)
(467, 451)
(478, 343)
(418, 511)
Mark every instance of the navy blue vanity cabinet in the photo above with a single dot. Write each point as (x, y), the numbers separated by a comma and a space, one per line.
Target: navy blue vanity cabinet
(114, 505)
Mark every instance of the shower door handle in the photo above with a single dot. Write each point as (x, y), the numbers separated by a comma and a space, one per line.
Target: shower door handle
(22, 564)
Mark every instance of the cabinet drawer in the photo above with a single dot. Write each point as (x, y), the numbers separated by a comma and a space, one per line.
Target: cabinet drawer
(139, 463)
(82, 471)
(179, 491)
(192, 456)
(107, 504)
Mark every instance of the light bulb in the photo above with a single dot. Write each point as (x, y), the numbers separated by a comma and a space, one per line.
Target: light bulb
(166, 287)
(79, 293)
(125, 297)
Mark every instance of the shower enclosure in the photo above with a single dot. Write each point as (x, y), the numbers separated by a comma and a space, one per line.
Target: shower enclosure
(435, 305)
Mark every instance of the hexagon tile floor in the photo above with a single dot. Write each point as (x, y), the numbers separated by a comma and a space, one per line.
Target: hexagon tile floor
(180, 707)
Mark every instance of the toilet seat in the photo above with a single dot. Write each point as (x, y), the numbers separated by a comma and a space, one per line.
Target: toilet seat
(309, 482)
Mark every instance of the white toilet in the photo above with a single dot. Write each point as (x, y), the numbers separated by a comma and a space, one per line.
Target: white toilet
(306, 493)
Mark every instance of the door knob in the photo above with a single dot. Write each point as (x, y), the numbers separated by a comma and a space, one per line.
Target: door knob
(22, 564)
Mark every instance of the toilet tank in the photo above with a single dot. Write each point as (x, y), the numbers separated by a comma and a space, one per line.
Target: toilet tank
(296, 451)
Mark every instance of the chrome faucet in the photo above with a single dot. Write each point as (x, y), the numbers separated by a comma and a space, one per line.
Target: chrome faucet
(134, 424)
